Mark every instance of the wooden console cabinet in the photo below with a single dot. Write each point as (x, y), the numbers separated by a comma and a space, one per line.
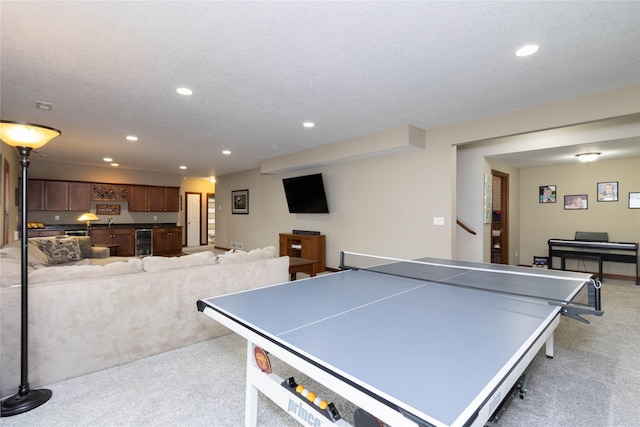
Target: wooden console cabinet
(309, 246)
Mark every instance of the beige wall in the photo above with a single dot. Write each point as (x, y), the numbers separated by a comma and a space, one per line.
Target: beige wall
(11, 155)
(382, 206)
(387, 204)
(544, 221)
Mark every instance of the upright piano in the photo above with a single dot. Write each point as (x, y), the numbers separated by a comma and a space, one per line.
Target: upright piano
(594, 246)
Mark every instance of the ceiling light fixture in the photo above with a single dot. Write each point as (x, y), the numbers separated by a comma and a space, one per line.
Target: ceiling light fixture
(226, 152)
(183, 167)
(25, 137)
(132, 138)
(212, 180)
(587, 157)
(115, 165)
(184, 91)
(527, 50)
(108, 159)
(308, 124)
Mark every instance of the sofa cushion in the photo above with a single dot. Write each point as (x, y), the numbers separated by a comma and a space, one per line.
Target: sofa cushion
(66, 273)
(241, 256)
(37, 258)
(11, 271)
(84, 242)
(60, 251)
(159, 263)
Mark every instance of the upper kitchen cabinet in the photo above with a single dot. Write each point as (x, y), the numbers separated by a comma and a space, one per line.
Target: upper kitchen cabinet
(153, 199)
(58, 195)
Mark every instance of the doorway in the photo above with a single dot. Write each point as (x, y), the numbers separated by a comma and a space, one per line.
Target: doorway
(500, 218)
(211, 218)
(192, 213)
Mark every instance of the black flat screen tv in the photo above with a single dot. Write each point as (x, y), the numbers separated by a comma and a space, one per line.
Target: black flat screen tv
(305, 194)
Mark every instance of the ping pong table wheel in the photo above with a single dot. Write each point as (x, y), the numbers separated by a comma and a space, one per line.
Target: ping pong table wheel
(362, 418)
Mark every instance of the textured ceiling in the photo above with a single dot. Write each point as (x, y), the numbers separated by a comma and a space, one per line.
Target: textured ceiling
(260, 69)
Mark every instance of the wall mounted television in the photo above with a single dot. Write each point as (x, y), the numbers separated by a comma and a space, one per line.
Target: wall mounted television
(305, 194)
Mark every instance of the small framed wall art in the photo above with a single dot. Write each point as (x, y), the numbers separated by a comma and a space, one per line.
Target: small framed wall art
(547, 194)
(575, 201)
(240, 201)
(634, 200)
(608, 191)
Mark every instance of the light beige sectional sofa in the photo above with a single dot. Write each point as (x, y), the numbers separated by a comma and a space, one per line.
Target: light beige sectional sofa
(84, 318)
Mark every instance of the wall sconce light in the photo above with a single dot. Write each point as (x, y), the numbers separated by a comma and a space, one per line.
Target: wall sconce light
(25, 137)
(587, 157)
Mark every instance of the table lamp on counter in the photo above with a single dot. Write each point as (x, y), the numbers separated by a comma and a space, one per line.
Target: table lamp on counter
(88, 216)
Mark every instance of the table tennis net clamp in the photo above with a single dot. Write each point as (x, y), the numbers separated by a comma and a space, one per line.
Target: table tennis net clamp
(572, 310)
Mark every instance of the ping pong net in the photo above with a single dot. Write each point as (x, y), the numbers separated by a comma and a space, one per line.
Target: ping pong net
(548, 286)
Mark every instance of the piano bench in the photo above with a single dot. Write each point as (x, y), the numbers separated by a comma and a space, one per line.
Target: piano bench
(578, 255)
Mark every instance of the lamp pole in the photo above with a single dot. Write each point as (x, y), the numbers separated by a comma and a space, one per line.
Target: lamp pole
(25, 137)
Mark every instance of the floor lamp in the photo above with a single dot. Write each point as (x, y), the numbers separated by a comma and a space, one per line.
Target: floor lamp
(25, 137)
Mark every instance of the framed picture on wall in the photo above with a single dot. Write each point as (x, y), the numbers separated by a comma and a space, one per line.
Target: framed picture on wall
(634, 200)
(547, 194)
(575, 201)
(608, 191)
(240, 202)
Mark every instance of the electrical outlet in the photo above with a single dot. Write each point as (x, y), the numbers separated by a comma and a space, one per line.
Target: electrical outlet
(155, 217)
(57, 217)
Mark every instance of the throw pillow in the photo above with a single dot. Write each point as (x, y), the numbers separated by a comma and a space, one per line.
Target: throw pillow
(60, 251)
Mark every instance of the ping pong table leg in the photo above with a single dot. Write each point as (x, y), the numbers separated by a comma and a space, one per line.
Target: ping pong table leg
(251, 393)
(549, 347)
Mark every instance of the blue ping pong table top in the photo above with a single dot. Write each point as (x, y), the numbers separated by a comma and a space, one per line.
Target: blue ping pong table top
(427, 347)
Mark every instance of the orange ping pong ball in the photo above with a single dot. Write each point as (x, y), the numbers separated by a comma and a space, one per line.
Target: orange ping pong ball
(311, 396)
(299, 388)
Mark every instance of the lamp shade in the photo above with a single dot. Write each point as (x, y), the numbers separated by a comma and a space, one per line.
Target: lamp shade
(18, 134)
(88, 217)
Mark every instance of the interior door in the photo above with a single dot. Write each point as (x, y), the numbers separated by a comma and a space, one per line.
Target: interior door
(193, 212)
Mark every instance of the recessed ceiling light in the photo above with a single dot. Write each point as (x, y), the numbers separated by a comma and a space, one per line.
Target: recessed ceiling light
(527, 50)
(184, 91)
(108, 159)
(212, 180)
(587, 157)
(132, 138)
(183, 167)
(226, 152)
(115, 164)
(308, 124)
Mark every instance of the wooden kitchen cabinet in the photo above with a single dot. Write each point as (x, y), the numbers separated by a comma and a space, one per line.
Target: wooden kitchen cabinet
(153, 199)
(58, 196)
(35, 195)
(167, 241)
(123, 237)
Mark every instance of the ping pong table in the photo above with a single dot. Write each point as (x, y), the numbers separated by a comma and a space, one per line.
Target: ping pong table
(426, 342)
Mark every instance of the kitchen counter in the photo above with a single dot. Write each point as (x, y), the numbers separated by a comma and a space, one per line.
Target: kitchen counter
(137, 226)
